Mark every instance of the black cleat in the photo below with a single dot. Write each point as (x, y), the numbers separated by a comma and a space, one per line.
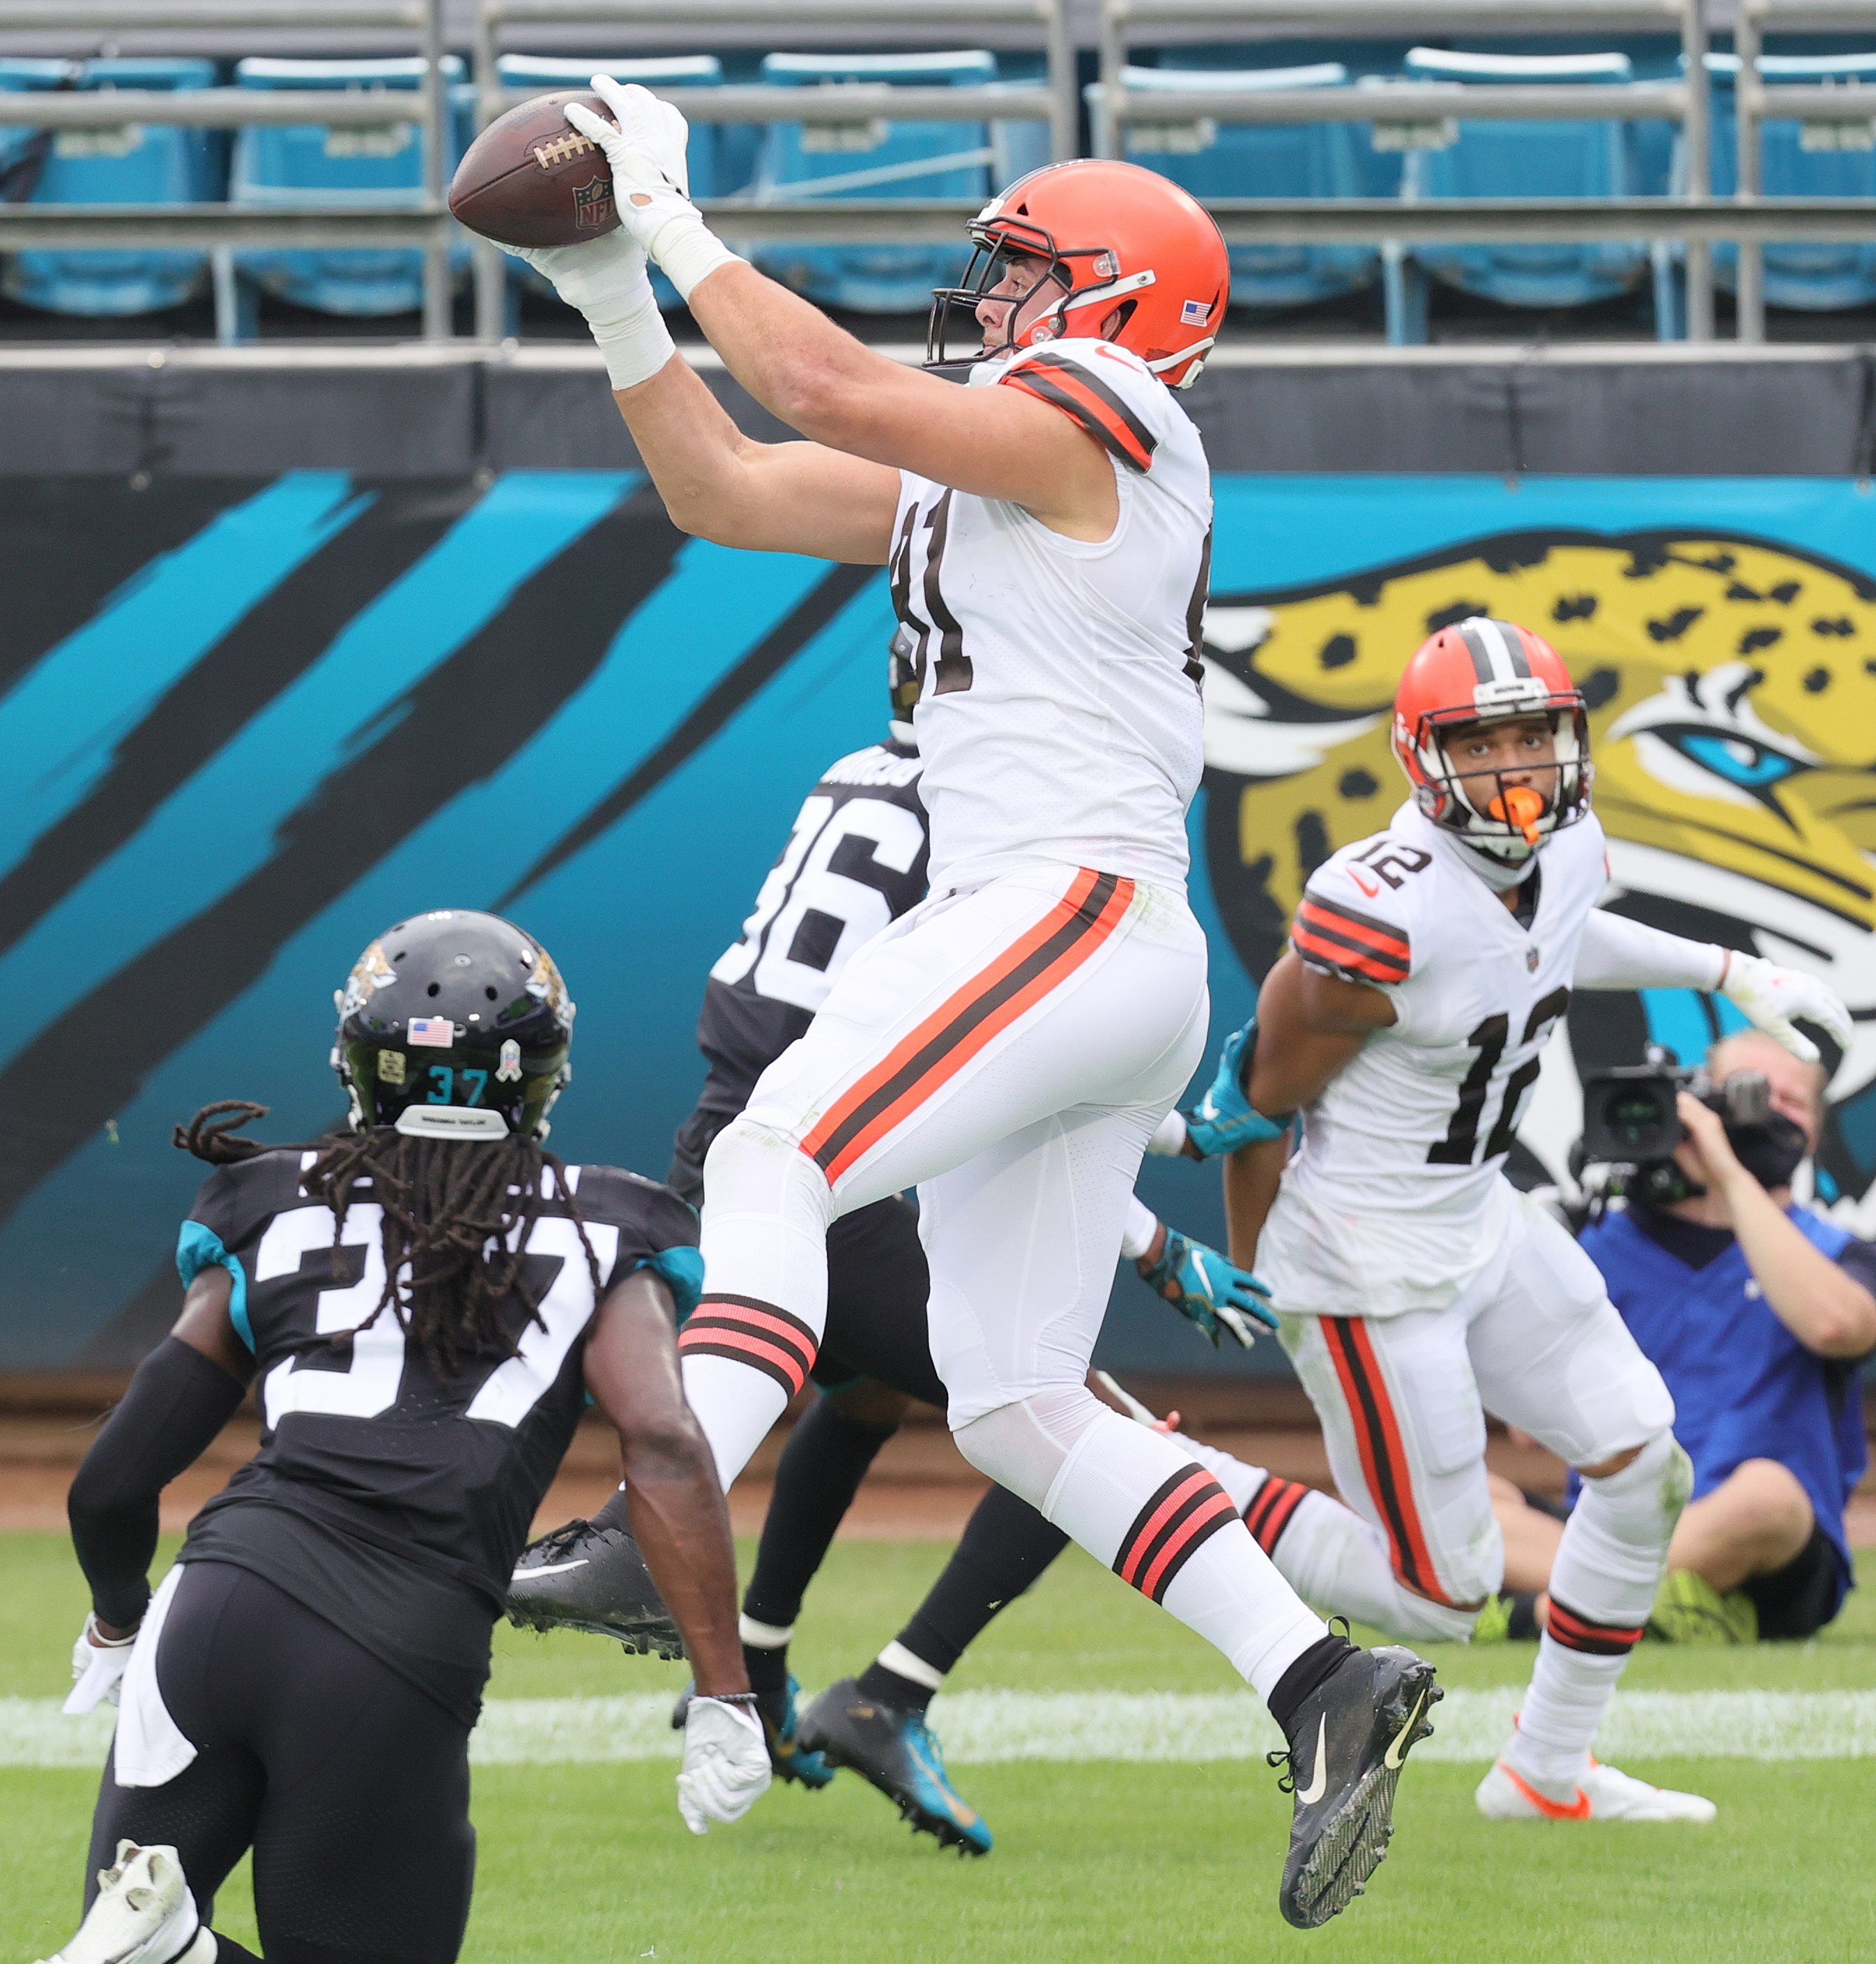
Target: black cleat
(896, 1751)
(1346, 1745)
(585, 1578)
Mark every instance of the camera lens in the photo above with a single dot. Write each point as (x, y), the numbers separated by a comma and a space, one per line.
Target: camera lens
(1633, 1117)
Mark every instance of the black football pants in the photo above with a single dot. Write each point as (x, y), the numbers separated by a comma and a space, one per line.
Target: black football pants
(351, 1785)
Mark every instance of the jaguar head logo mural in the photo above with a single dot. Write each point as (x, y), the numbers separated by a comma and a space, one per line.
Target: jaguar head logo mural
(1731, 688)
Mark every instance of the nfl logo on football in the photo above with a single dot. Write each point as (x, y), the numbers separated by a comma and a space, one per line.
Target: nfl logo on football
(593, 203)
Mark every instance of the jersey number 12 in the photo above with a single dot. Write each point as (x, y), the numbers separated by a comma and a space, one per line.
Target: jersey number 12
(1489, 1040)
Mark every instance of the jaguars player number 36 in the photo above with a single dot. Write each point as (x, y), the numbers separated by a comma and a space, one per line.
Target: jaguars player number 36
(425, 1302)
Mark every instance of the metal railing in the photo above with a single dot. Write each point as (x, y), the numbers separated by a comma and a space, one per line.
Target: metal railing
(223, 228)
(1054, 101)
(1684, 101)
(1693, 217)
(1754, 101)
(1243, 221)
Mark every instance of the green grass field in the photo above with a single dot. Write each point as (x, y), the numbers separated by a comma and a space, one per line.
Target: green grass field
(1096, 1862)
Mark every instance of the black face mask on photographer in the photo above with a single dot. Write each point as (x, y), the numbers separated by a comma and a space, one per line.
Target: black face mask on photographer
(1770, 1150)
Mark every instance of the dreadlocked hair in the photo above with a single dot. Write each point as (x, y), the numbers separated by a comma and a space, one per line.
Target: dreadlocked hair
(444, 1203)
(221, 1145)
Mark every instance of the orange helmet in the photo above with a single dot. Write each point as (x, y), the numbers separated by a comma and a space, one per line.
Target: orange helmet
(1114, 235)
(1480, 671)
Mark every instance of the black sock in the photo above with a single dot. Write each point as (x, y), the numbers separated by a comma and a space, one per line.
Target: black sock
(614, 1513)
(767, 1669)
(227, 1951)
(821, 1468)
(1312, 1670)
(1005, 1545)
(885, 1686)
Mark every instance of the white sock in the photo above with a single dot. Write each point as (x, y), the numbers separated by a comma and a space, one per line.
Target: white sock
(1333, 1558)
(748, 1346)
(1608, 1566)
(1240, 1481)
(1134, 1499)
(908, 1664)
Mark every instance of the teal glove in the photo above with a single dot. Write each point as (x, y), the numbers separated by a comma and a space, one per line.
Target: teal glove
(1224, 1120)
(1206, 1290)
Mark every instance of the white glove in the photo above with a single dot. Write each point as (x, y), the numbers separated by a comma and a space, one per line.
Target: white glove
(606, 279)
(1773, 998)
(98, 1664)
(651, 180)
(725, 1763)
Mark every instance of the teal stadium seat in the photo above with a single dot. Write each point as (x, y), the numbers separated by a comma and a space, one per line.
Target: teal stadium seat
(544, 73)
(354, 169)
(1820, 277)
(134, 164)
(826, 155)
(1521, 159)
(1249, 160)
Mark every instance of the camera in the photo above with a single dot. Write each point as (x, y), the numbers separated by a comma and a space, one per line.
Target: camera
(1628, 1114)
(1632, 1126)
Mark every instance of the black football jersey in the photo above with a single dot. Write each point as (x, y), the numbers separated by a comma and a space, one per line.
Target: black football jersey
(856, 861)
(391, 1500)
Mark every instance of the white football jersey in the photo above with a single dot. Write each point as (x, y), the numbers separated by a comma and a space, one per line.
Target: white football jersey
(1397, 1197)
(1059, 718)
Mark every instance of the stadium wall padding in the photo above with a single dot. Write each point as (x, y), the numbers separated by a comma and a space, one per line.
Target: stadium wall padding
(1677, 411)
(255, 715)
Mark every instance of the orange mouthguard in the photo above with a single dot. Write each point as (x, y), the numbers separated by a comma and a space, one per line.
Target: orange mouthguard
(1522, 807)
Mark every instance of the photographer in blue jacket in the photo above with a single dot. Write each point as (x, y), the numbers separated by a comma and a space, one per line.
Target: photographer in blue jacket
(1757, 1312)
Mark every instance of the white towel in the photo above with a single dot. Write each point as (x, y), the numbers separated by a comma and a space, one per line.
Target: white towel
(151, 1749)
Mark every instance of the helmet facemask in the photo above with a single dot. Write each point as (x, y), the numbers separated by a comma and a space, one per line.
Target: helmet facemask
(1506, 821)
(453, 1025)
(1085, 276)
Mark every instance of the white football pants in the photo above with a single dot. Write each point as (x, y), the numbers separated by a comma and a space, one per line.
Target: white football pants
(1008, 1049)
(1534, 1339)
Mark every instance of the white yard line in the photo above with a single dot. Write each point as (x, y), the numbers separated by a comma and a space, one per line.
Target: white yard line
(981, 1728)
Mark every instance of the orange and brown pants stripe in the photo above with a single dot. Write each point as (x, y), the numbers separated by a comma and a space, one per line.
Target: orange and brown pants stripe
(929, 1057)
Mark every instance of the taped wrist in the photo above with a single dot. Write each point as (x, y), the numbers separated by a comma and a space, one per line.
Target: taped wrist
(1142, 1225)
(687, 252)
(178, 1403)
(632, 336)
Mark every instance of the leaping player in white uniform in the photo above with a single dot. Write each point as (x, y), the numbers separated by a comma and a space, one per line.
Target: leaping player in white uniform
(1428, 966)
(1009, 1045)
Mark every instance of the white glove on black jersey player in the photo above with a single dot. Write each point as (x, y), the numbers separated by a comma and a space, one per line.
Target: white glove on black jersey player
(725, 1763)
(98, 1664)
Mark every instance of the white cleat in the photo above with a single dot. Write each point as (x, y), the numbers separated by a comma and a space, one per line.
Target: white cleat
(1604, 1793)
(143, 1914)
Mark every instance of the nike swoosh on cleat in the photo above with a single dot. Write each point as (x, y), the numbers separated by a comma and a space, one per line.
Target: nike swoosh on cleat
(550, 1568)
(959, 1812)
(1319, 1779)
(1578, 1809)
(1398, 1745)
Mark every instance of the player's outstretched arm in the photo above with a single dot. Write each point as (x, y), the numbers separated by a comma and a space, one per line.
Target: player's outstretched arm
(1308, 1025)
(679, 1516)
(813, 376)
(1617, 953)
(184, 1392)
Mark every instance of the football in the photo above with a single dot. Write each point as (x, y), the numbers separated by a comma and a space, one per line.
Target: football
(530, 178)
